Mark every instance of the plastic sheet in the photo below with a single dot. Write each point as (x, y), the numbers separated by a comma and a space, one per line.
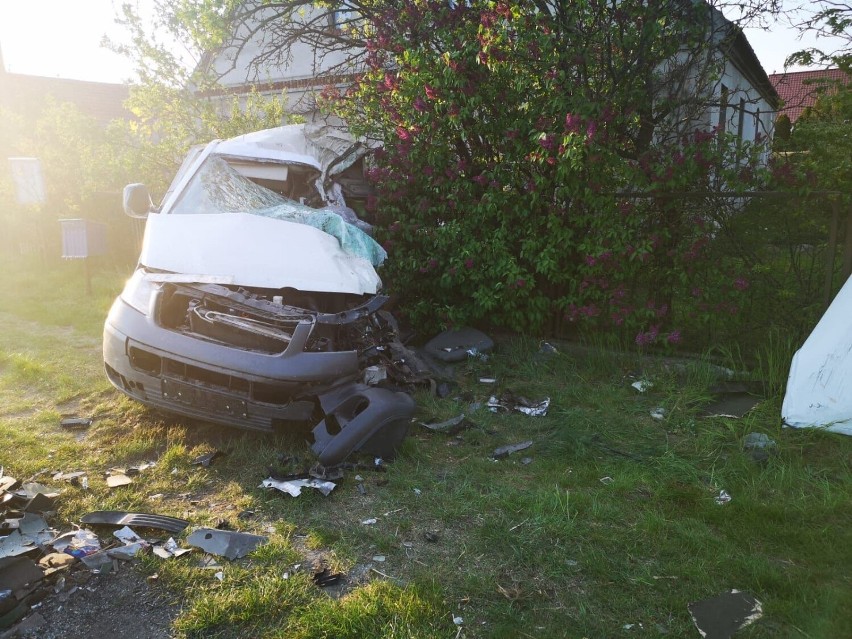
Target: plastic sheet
(821, 372)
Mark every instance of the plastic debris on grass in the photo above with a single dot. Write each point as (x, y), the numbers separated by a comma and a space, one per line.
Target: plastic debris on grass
(228, 544)
(508, 402)
(72, 422)
(452, 426)
(642, 385)
(293, 487)
(723, 498)
(721, 616)
(505, 451)
(206, 459)
(143, 520)
(169, 549)
(659, 413)
(35, 560)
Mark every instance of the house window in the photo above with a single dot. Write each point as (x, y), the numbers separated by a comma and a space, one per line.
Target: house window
(723, 110)
(757, 135)
(343, 16)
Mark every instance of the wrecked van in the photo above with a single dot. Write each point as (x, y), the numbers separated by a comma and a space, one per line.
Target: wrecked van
(256, 302)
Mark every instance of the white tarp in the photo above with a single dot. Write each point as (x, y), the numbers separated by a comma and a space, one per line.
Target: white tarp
(255, 251)
(819, 389)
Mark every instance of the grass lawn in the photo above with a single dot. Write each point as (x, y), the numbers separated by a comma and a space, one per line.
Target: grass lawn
(532, 545)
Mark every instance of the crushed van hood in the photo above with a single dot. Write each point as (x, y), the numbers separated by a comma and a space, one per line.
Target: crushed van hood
(237, 247)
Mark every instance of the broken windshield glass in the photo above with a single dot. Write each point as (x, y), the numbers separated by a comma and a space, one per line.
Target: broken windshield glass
(219, 188)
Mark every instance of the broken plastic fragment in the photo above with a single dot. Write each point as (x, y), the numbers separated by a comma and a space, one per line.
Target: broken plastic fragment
(547, 348)
(643, 385)
(606, 480)
(231, 545)
(35, 529)
(127, 551)
(98, 561)
(69, 477)
(16, 572)
(127, 535)
(370, 521)
(723, 497)
(658, 413)
(330, 473)
(135, 470)
(509, 402)
(505, 451)
(720, 617)
(15, 544)
(206, 459)
(75, 422)
(143, 520)
(293, 487)
(115, 481)
(359, 417)
(451, 426)
(169, 549)
(375, 374)
(732, 405)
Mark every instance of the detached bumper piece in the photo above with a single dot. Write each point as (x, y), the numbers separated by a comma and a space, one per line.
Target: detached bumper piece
(142, 520)
(361, 418)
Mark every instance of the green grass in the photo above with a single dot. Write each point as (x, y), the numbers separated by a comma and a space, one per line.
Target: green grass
(543, 549)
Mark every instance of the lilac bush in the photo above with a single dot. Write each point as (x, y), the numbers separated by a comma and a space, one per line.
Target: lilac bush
(513, 135)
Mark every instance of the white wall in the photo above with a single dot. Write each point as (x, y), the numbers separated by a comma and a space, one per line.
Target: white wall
(235, 69)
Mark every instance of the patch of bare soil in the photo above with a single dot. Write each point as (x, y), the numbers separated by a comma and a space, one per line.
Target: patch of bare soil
(101, 606)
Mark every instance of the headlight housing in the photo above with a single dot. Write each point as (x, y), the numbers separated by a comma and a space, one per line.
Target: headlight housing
(138, 291)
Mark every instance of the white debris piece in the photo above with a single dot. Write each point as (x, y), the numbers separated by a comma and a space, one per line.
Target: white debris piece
(293, 487)
(821, 372)
(127, 535)
(643, 385)
(723, 497)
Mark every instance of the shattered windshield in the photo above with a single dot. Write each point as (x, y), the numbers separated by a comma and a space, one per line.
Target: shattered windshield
(219, 188)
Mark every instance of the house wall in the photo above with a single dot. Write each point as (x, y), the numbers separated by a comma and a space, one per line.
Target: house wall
(296, 76)
(746, 112)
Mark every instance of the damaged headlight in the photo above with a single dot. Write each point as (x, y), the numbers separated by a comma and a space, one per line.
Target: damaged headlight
(138, 291)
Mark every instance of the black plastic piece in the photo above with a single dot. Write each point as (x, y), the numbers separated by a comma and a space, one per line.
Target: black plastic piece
(361, 418)
(142, 520)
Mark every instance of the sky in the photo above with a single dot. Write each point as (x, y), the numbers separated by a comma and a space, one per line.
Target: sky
(61, 38)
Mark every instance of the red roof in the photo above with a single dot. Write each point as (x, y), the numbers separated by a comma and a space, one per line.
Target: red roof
(800, 89)
(99, 100)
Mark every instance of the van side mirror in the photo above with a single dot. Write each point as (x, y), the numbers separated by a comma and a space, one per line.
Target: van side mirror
(137, 201)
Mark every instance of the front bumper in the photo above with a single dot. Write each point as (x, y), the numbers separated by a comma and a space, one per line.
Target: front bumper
(201, 379)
